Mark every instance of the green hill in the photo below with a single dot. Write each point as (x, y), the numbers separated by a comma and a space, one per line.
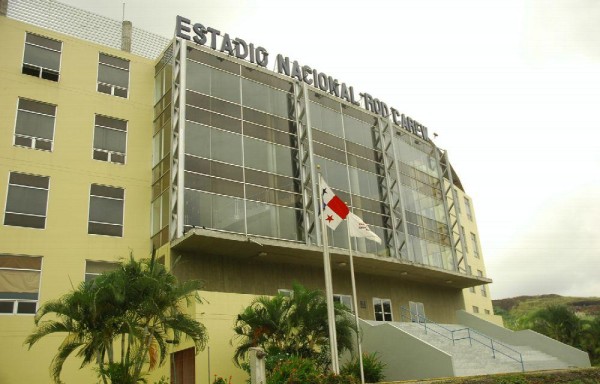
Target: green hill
(515, 308)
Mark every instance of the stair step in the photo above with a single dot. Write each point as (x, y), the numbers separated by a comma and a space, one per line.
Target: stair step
(477, 359)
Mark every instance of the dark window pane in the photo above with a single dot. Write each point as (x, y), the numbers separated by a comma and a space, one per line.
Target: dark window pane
(24, 221)
(105, 210)
(26, 307)
(121, 92)
(23, 141)
(113, 76)
(101, 155)
(41, 57)
(30, 70)
(43, 145)
(114, 61)
(110, 122)
(105, 229)
(48, 74)
(36, 106)
(6, 306)
(105, 88)
(212, 60)
(43, 41)
(102, 190)
(29, 180)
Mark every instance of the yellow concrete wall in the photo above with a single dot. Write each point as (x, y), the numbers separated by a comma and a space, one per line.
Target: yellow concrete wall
(64, 243)
(475, 298)
(218, 314)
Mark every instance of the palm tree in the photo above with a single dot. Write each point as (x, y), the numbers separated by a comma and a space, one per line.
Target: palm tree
(295, 325)
(559, 323)
(137, 306)
(591, 339)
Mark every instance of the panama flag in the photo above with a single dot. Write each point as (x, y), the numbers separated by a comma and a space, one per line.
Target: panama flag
(334, 209)
(359, 228)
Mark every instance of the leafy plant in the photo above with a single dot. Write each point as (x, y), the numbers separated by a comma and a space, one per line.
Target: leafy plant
(519, 379)
(221, 380)
(293, 325)
(372, 367)
(301, 370)
(134, 310)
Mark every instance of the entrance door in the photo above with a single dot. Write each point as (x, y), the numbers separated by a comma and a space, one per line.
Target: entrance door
(417, 312)
(183, 367)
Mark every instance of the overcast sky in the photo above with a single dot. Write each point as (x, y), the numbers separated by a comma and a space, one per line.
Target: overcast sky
(512, 88)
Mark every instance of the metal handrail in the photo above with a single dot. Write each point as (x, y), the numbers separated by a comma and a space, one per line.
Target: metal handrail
(493, 344)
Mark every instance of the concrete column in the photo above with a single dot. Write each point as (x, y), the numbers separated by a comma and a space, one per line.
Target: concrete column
(125, 35)
(257, 366)
(3, 7)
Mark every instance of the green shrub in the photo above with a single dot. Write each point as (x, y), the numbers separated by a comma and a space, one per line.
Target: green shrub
(294, 370)
(372, 366)
(519, 379)
(221, 380)
(302, 370)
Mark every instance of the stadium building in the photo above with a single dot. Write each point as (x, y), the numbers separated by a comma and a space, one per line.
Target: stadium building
(114, 140)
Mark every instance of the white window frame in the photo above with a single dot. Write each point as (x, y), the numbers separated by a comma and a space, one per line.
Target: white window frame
(345, 300)
(482, 287)
(41, 69)
(285, 292)
(16, 301)
(113, 87)
(34, 140)
(470, 272)
(380, 301)
(468, 210)
(109, 198)
(475, 245)
(45, 216)
(110, 153)
(88, 276)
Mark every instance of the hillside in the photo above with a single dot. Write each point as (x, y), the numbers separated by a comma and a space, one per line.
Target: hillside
(516, 307)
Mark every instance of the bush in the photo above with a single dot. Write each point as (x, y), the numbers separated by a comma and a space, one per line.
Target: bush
(293, 370)
(299, 370)
(372, 366)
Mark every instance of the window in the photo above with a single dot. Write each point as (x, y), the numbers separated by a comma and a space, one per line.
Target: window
(482, 287)
(113, 75)
(383, 309)
(35, 124)
(94, 269)
(417, 312)
(27, 200)
(468, 209)
(470, 272)
(466, 245)
(487, 312)
(285, 292)
(106, 210)
(345, 300)
(475, 309)
(42, 57)
(475, 247)
(19, 284)
(110, 139)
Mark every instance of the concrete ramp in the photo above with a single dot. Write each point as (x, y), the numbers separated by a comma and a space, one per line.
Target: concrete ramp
(412, 351)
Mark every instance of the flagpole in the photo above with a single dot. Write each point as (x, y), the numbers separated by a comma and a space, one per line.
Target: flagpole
(335, 363)
(355, 303)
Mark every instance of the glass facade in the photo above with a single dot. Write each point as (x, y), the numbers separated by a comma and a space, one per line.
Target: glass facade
(242, 162)
(241, 154)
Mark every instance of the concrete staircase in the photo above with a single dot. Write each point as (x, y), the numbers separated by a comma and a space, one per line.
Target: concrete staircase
(476, 357)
